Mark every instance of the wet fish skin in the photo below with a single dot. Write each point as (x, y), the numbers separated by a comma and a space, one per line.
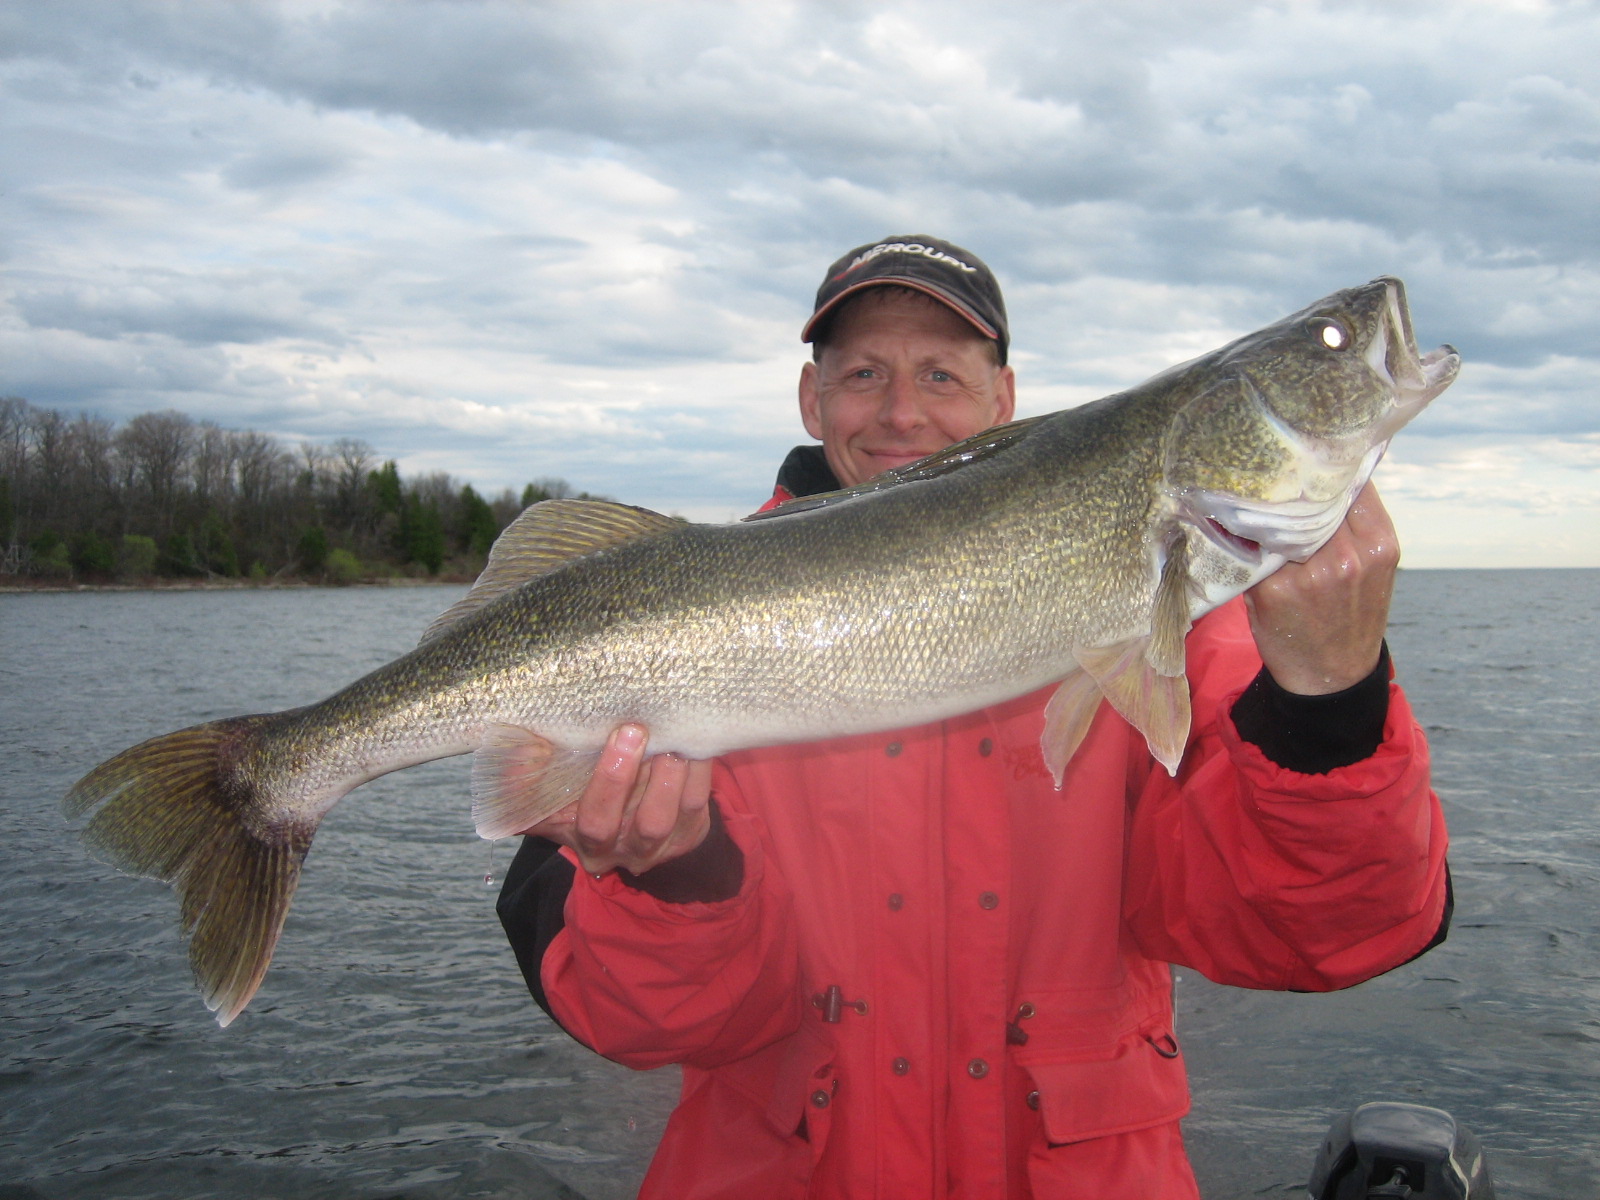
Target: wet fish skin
(1077, 546)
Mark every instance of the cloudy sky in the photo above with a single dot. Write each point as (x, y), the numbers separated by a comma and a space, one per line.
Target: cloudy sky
(516, 240)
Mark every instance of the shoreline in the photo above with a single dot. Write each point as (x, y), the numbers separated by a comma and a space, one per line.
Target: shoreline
(16, 587)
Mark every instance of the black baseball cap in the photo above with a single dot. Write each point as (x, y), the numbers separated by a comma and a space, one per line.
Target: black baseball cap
(940, 269)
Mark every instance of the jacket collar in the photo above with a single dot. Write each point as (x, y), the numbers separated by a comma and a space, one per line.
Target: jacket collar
(805, 472)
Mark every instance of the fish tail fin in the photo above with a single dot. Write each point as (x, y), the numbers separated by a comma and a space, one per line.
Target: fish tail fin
(185, 809)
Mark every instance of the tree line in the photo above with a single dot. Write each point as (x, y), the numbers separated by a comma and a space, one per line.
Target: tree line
(167, 496)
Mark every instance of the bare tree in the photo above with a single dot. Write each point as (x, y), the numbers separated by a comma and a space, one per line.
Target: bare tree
(199, 497)
(158, 445)
(215, 452)
(352, 507)
(97, 502)
(14, 412)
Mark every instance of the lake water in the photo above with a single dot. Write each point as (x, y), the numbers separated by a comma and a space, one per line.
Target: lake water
(393, 1051)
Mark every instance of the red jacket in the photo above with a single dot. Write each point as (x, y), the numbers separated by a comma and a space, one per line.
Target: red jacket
(942, 977)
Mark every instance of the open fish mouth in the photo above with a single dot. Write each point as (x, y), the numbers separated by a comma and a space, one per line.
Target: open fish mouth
(1393, 356)
(1323, 471)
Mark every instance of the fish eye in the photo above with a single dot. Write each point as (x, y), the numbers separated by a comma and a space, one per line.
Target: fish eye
(1329, 332)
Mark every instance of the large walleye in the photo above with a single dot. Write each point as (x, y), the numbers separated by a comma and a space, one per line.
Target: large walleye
(1077, 546)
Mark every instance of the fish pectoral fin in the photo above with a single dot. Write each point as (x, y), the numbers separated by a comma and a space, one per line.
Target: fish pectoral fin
(520, 778)
(547, 536)
(1169, 617)
(1066, 721)
(1156, 705)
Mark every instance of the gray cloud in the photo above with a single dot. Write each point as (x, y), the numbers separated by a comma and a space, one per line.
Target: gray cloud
(223, 307)
(426, 220)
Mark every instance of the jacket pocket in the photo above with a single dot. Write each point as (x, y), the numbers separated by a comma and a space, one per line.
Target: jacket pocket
(1142, 1083)
(801, 1101)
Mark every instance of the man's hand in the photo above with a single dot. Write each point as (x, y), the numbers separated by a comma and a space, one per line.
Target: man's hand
(636, 813)
(1319, 624)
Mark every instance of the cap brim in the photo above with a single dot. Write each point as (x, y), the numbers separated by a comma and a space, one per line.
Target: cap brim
(918, 285)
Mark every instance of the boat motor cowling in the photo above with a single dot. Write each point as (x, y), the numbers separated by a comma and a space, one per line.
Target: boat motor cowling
(1392, 1151)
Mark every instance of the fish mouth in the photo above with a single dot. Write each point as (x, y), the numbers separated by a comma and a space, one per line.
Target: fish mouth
(1254, 531)
(1393, 355)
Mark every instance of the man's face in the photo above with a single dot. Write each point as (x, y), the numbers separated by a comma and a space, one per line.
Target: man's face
(900, 377)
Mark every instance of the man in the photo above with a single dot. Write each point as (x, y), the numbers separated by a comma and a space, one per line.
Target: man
(904, 964)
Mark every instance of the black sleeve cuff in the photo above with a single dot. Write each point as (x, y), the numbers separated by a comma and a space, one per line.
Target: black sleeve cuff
(712, 871)
(532, 907)
(1315, 734)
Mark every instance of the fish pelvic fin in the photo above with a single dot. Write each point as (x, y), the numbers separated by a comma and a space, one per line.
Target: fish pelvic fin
(546, 537)
(175, 808)
(1142, 677)
(520, 778)
(1156, 705)
(1067, 719)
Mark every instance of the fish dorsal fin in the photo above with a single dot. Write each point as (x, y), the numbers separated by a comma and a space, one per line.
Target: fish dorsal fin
(952, 458)
(547, 536)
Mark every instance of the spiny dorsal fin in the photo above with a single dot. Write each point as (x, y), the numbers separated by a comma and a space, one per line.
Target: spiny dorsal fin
(548, 535)
(952, 458)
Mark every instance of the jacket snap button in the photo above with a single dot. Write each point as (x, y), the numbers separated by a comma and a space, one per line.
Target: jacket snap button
(901, 1066)
(896, 901)
(988, 900)
(1033, 1101)
(977, 1068)
(819, 1098)
(892, 749)
(986, 747)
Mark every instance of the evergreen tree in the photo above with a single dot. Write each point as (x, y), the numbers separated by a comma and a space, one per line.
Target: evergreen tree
(422, 533)
(384, 484)
(216, 549)
(478, 528)
(312, 550)
(91, 555)
(177, 556)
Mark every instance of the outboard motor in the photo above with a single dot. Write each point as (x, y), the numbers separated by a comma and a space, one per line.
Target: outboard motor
(1389, 1150)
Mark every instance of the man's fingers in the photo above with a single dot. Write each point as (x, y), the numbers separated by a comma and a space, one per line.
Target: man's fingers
(559, 827)
(1319, 624)
(655, 816)
(1372, 529)
(635, 811)
(667, 815)
(605, 801)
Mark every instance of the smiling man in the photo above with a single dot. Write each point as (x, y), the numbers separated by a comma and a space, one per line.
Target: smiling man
(905, 964)
(910, 371)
